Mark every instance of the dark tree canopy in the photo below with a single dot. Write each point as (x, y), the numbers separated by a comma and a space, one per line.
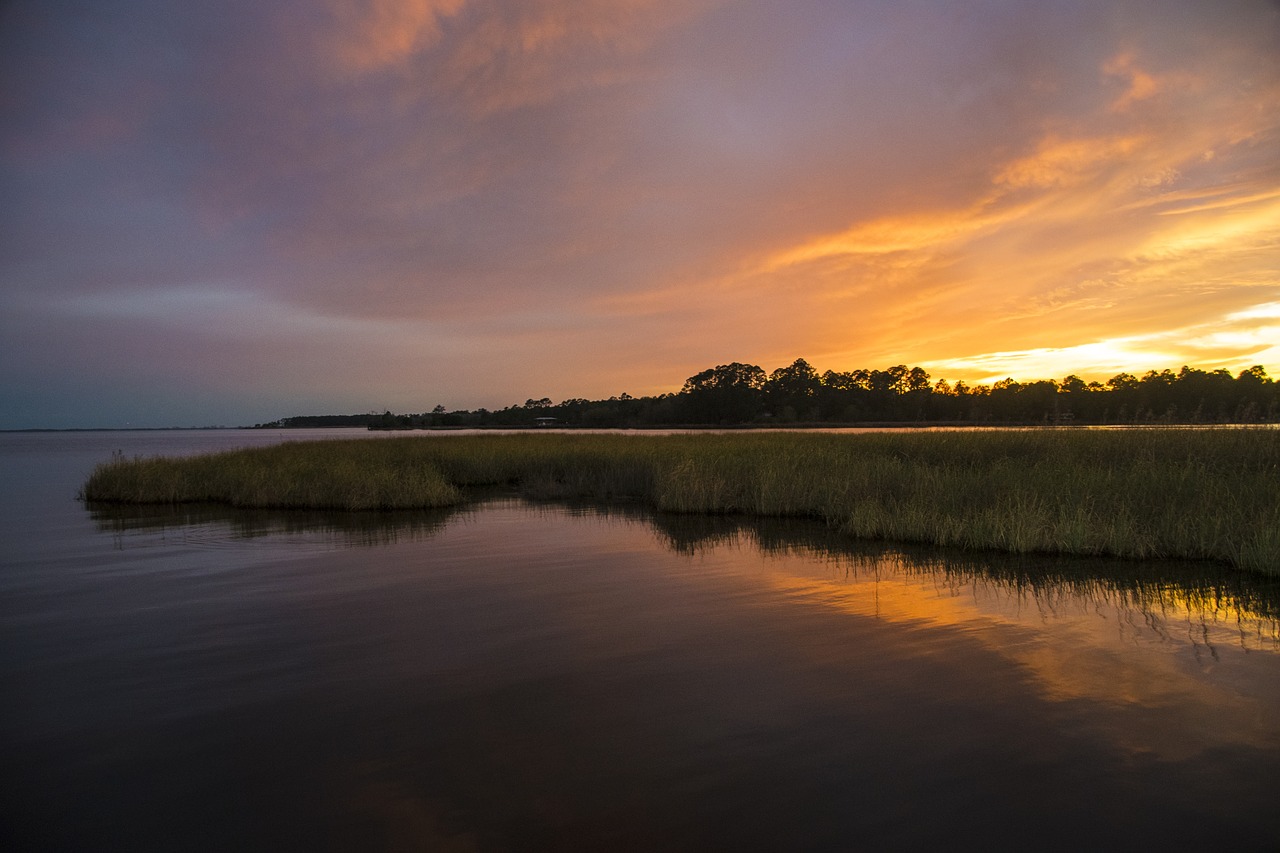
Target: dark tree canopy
(791, 393)
(737, 393)
(726, 393)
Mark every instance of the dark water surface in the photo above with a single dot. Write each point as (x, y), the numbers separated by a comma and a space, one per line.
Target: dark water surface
(518, 676)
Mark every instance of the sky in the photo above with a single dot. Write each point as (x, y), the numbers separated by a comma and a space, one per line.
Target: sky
(227, 213)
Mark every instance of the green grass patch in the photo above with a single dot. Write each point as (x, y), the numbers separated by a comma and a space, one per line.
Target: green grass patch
(1176, 493)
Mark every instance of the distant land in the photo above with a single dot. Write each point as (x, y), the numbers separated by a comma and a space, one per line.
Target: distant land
(120, 429)
(738, 394)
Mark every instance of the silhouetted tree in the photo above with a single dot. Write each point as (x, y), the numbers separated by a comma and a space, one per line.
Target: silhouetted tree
(794, 390)
(726, 393)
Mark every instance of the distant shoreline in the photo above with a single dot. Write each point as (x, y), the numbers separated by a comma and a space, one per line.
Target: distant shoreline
(125, 429)
(757, 427)
(817, 426)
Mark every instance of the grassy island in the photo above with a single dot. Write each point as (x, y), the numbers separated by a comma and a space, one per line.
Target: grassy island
(1185, 493)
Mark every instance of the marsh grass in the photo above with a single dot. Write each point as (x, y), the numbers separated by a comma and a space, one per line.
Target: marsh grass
(358, 475)
(1175, 493)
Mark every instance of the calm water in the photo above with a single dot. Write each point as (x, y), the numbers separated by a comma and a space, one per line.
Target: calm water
(518, 676)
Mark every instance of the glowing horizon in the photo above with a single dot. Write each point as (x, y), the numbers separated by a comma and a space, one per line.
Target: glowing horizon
(389, 204)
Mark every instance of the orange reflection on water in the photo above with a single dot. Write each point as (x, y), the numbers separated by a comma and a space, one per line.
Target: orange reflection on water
(1153, 656)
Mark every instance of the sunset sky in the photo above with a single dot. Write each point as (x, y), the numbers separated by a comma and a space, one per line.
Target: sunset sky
(230, 212)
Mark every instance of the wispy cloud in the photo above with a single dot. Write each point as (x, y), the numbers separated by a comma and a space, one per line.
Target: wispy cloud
(372, 35)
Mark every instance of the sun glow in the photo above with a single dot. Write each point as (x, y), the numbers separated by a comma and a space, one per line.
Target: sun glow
(1255, 332)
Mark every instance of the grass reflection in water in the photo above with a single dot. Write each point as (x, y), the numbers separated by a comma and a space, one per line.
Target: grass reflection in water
(1194, 596)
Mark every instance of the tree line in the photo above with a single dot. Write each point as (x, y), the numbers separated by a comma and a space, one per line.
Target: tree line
(738, 394)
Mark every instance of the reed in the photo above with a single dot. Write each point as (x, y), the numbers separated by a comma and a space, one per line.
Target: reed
(1178, 493)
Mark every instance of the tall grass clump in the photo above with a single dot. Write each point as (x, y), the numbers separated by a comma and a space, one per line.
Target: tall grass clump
(1188, 493)
(349, 475)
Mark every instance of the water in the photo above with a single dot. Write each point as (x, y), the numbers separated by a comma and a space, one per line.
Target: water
(515, 676)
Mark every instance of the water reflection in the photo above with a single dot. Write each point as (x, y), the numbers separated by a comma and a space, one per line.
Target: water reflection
(1199, 603)
(546, 676)
(211, 525)
(1209, 603)
(1162, 642)
(1152, 637)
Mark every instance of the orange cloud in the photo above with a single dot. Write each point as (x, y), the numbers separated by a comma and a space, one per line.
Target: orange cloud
(1059, 163)
(373, 34)
(1140, 84)
(928, 232)
(1219, 204)
(1085, 235)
